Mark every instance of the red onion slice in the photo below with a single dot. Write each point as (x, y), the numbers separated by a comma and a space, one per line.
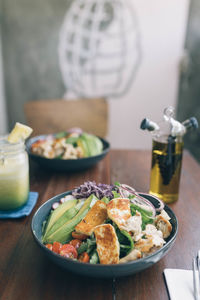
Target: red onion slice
(55, 205)
(75, 130)
(128, 188)
(138, 198)
(162, 205)
(143, 201)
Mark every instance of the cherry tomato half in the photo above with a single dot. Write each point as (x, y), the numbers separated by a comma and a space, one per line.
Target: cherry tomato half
(56, 247)
(76, 243)
(49, 246)
(37, 144)
(79, 236)
(69, 251)
(84, 257)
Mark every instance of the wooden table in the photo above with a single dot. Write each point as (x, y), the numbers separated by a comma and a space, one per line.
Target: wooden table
(25, 272)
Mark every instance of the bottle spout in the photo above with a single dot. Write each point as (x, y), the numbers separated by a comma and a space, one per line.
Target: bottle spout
(149, 125)
(169, 129)
(191, 123)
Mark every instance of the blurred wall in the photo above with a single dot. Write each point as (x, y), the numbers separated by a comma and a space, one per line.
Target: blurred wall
(3, 112)
(189, 89)
(30, 38)
(163, 27)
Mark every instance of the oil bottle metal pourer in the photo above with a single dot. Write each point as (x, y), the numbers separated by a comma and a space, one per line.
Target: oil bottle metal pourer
(167, 150)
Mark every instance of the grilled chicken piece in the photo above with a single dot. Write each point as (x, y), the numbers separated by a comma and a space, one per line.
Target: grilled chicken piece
(119, 211)
(163, 225)
(153, 240)
(156, 234)
(133, 255)
(107, 244)
(145, 245)
(165, 215)
(151, 229)
(134, 225)
(96, 216)
(151, 243)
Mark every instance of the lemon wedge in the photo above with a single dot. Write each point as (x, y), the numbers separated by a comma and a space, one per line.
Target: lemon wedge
(19, 132)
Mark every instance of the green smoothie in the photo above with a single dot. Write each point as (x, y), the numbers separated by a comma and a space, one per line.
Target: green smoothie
(14, 179)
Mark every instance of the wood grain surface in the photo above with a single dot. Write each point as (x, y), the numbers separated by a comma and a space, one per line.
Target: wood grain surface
(25, 273)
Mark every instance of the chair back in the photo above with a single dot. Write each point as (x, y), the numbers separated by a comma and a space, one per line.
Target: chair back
(52, 116)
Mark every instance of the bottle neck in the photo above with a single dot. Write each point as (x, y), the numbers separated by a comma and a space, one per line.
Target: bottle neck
(166, 139)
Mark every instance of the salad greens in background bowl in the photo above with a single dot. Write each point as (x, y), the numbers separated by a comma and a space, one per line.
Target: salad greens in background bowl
(73, 150)
(104, 230)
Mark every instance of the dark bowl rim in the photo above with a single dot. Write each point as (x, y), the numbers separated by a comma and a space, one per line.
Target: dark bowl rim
(29, 142)
(94, 266)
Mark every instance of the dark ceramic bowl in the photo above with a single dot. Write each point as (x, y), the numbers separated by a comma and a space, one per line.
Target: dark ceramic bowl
(66, 164)
(93, 270)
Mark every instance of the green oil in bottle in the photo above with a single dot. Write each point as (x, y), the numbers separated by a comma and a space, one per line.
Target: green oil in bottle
(166, 170)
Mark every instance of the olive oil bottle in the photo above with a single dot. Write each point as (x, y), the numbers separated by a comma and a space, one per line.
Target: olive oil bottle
(167, 151)
(166, 170)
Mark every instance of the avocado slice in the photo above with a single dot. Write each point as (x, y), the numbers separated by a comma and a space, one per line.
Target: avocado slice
(57, 213)
(94, 144)
(63, 233)
(83, 145)
(90, 144)
(68, 215)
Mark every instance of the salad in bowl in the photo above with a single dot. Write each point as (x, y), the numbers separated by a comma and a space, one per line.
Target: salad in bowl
(70, 144)
(73, 150)
(105, 224)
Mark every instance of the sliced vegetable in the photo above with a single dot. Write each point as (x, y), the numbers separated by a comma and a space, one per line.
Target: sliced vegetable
(116, 194)
(125, 191)
(75, 130)
(55, 205)
(105, 200)
(125, 241)
(68, 251)
(83, 145)
(91, 242)
(128, 236)
(90, 187)
(59, 156)
(49, 246)
(83, 248)
(84, 257)
(60, 135)
(63, 233)
(135, 207)
(76, 243)
(79, 236)
(94, 259)
(87, 246)
(147, 216)
(56, 247)
(68, 215)
(91, 144)
(160, 202)
(56, 216)
(71, 140)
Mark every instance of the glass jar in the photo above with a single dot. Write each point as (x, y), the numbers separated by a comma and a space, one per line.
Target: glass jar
(14, 174)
